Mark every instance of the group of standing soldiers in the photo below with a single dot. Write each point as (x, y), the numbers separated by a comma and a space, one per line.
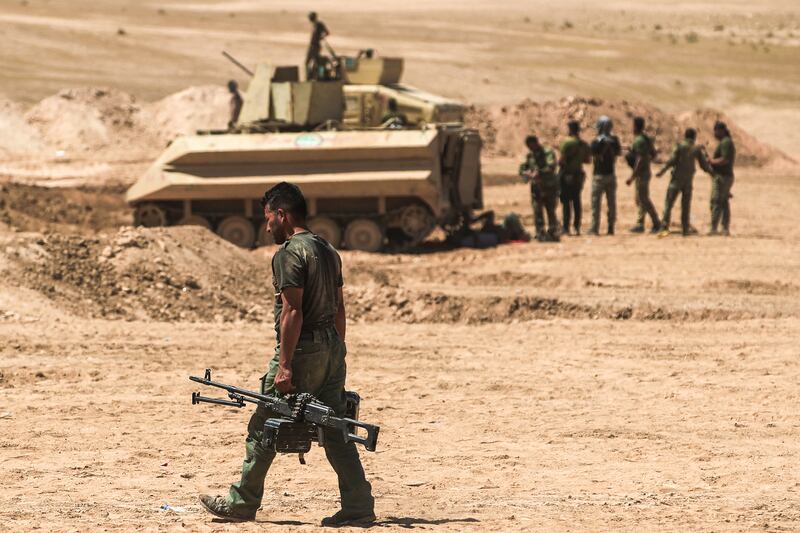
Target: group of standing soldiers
(552, 178)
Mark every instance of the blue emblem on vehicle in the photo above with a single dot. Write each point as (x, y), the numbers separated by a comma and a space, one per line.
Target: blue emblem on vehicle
(308, 140)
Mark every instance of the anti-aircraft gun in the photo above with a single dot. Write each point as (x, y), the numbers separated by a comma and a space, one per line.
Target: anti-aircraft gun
(368, 187)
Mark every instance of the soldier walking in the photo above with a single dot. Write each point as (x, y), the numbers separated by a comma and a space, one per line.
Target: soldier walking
(605, 149)
(642, 153)
(574, 153)
(682, 162)
(313, 55)
(722, 180)
(309, 357)
(539, 169)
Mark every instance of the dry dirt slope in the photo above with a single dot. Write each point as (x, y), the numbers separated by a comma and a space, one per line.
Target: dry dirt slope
(678, 414)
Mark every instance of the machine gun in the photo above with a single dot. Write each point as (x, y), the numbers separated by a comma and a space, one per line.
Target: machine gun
(302, 418)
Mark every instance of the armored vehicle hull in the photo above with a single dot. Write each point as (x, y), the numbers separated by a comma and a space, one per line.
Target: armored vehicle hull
(367, 189)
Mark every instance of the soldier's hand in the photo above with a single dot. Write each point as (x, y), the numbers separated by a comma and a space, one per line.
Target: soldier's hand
(283, 380)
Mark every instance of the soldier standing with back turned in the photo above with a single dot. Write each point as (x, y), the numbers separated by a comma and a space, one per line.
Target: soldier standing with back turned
(309, 357)
(605, 150)
(682, 163)
(539, 169)
(574, 153)
(643, 152)
(722, 180)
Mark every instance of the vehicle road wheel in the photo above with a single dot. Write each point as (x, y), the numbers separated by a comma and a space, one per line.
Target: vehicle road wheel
(363, 234)
(264, 237)
(237, 230)
(149, 216)
(328, 229)
(195, 220)
(417, 222)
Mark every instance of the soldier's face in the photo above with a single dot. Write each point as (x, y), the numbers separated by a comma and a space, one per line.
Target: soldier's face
(276, 224)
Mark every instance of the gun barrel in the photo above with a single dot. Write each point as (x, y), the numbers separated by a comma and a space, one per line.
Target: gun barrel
(235, 390)
(236, 62)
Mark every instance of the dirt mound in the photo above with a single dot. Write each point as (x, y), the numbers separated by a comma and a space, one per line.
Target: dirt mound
(17, 136)
(28, 208)
(503, 128)
(187, 111)
(182, 273)
(91, 120)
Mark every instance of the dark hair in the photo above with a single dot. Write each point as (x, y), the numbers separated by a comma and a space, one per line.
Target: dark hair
(531, 139)
(574, 127)
(719, 125)
(312, 16)
(690, 133)
(232, 85)
(286, 196)
(638, 123)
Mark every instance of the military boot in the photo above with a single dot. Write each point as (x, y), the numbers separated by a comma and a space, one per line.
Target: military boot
(638, 228)
(342, 518)
(220, 507)
(592, 232)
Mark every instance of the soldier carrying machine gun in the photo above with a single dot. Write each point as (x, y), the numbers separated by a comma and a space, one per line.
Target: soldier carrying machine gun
(302, 418)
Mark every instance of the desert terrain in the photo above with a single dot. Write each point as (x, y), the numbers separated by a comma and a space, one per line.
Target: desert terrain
(600, 383)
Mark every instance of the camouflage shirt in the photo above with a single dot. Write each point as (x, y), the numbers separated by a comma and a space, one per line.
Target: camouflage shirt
(544, 162)
(574, 152)
(643, 148)
(726, 150)
(307, 261)
(683, 158)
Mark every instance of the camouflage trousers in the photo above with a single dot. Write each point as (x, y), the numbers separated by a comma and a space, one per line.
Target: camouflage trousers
(643, 202)
(543, 200)
(676, 187)
(604, 184)
(721, 201)
(318, 367)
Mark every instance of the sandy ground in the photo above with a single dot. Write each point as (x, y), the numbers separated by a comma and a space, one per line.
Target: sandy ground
(680, 413)
(609, 383)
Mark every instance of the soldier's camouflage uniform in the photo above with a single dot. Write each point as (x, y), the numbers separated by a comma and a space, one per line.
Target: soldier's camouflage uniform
(721, 184)
(544, 192)
(318, 367)
(643, 148)
(605, 150)
(682, 162)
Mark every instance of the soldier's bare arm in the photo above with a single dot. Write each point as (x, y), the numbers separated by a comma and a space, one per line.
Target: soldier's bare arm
(291, 324)
(341, 317)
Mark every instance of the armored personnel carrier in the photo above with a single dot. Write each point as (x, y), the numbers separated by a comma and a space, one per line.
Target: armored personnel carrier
(369, 185)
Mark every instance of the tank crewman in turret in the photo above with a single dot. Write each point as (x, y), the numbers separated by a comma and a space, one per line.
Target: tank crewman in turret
(394, 117)
(318, 33)
(605, 150)
(643, 152)
(682, 162)
(722, 179)
(235, 104)
(539, 169)
(574, 153)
